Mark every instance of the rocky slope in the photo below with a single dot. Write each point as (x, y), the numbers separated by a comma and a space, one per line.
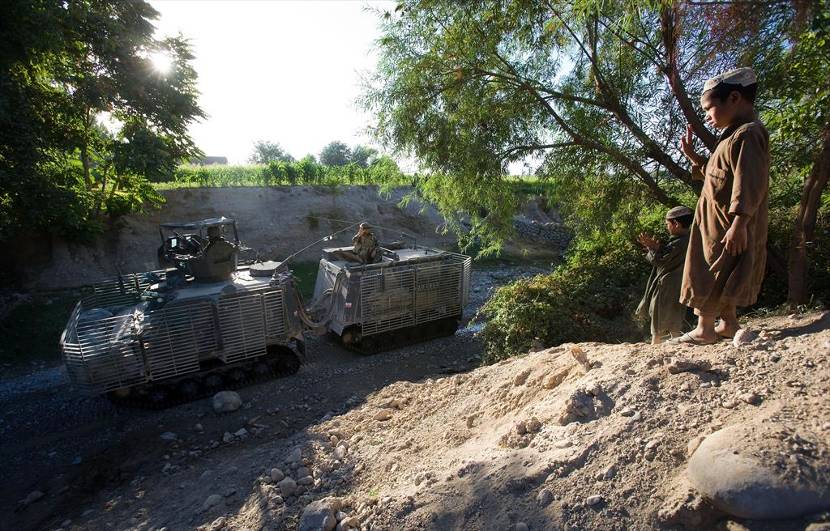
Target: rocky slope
(588, 436)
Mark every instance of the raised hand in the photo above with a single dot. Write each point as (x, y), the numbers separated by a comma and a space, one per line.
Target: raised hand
(687, 147)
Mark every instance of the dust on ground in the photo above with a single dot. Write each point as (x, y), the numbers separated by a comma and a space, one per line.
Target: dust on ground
(588, 436)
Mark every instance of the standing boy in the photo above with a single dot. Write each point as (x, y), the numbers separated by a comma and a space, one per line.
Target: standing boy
(727, 247)
(663, 287)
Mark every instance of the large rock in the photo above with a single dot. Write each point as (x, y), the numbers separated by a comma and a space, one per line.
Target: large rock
(226, 401)
(319, 516)
(725, 468)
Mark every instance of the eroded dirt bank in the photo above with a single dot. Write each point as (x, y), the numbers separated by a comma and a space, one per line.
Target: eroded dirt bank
(276, 221)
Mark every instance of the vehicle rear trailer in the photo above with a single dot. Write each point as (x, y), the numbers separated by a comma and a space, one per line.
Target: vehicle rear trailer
(413, 294)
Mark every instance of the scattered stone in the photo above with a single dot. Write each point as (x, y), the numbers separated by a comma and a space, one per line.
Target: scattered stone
(544, 497)
(31, 498)
(521, 378)
(609, 472)
(227, 437)
(579, 406)
(744, 337)
(318, 516)
(276, 475)
(295, 456)
(751, 398)
(305, 480)
(596, 499)
(627, 412)
(383, 415)
(730, 403)
(678, 365)
(212, 501)
(340, 452)
(168, 436)
(553, 379)
(743, 486)
(533, 425)
(350, 522)
(581, 357)
(520, 526)
(287, 486)
(226, 401)
(242, 433)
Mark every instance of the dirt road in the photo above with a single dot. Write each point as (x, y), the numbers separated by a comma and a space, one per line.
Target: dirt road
(74, 449)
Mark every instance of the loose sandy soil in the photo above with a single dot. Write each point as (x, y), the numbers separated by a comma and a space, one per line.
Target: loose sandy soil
(588, 436)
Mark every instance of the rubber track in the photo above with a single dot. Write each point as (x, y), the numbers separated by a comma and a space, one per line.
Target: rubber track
(141, 400)
(404, 337)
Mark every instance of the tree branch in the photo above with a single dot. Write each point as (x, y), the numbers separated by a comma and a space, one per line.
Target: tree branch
(534, 147)
(612, 152)
(668, 25)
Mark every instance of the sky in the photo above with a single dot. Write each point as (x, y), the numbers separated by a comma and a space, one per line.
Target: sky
(283, 71)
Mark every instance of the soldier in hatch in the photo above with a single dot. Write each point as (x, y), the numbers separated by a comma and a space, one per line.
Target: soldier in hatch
(365, 250)
(218, 259)
(660, 301)
(727, 245)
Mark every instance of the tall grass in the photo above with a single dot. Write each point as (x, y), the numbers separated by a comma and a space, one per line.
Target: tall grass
(383, 172)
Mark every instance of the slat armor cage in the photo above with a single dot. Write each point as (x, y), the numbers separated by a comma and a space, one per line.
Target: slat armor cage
(399, 295)
(113, 341)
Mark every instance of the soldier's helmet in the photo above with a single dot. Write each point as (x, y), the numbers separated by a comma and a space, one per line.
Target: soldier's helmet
(214, 231)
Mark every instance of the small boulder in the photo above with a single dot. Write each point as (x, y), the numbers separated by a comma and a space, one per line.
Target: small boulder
(288, 487)
(226, 401)
(544, 497)
(212, 501)
(678, 365)
(318, 516)
(725, 470)
(383, 415)
(744, 337)
(276, 475)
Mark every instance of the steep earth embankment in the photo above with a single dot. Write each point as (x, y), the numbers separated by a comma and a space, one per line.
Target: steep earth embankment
(276, 221)
(588, 436)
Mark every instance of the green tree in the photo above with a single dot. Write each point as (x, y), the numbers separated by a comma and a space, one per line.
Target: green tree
(598, 90)
(335, 154)
(265, 152)
(363, 156)
(85, 118)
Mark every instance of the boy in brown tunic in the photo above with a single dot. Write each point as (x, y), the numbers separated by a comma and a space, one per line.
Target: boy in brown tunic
(726, 258)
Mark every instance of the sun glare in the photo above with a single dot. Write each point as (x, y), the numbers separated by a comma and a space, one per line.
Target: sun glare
(162, 62)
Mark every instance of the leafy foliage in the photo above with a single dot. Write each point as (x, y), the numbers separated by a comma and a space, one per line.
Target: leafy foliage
(265, 152)
(335, 154)
(85, 119)
(383, 172)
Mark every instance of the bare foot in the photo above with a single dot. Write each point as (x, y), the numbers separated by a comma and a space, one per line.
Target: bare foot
(725, 329)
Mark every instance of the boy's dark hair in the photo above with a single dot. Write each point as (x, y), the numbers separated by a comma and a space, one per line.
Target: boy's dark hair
(685, 221)
(721, 91)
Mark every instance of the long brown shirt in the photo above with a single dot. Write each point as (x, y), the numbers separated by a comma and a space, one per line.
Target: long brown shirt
(663, 286)
(736, 181)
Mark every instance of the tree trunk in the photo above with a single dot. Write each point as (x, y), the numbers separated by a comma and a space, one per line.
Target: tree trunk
(85, 152)
(805, 222)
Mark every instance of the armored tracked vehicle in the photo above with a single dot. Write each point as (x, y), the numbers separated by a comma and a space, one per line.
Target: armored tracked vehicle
(411, 294)
(176, 334)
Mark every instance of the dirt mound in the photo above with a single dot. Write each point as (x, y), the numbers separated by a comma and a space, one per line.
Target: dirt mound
(588, 436)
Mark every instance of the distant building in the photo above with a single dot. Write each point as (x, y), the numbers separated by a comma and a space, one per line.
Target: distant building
(207, 161)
